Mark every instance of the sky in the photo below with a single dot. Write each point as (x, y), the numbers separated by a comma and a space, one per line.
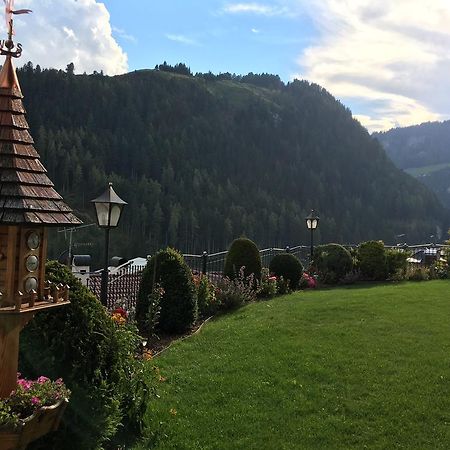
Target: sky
(388, 61)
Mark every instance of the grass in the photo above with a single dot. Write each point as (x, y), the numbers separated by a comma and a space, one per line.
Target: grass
(350, 368)
(426, 170)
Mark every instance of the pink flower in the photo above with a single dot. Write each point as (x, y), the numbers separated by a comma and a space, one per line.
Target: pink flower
(42, 380)
(35, 401)
(25, 384)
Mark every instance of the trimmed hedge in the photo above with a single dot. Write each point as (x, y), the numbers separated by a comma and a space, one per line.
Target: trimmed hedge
(243, 253)
(287, 266)
(179, 301)
(372, 260)
(96, 359)
(332, 262)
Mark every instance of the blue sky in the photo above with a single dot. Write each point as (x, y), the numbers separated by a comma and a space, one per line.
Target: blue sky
(388, 61)
(207, 37)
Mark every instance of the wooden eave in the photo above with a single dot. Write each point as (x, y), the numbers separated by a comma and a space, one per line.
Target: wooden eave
(27, 195)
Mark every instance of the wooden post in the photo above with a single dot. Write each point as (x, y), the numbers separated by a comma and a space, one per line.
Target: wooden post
(10, 327)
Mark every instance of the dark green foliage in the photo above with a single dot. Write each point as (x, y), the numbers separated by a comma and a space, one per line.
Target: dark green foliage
(396, 262)
(96, 359)
(208, 305)
(288, 266)
(179, 302)
(243, 253)
(372, 260)
(166, 140)
(332, 262)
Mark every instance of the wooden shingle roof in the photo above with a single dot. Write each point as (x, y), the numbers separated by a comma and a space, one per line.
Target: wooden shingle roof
(27, 195)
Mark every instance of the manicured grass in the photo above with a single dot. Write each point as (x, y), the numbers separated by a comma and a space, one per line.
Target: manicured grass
(426, 170)
(362, 367)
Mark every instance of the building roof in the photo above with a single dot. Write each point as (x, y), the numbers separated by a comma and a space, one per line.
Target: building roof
(27, 195)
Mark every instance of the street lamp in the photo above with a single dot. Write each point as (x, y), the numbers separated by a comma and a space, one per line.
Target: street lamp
(312, 222)
(108, 209)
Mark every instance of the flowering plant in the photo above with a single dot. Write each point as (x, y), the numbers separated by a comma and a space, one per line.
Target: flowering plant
(308, 281)
(28, 397)
(268, 285)
(119, 316)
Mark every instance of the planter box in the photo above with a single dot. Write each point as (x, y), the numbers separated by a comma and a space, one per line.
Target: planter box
(43, 421)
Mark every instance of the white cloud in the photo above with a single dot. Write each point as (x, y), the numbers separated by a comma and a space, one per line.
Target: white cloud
(124, 35)
(392, 56)
(62, 31)
(255, 30)
(181, 39)
(255, 8)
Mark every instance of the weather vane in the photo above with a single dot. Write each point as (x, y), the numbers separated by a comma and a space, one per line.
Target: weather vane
(9, 44)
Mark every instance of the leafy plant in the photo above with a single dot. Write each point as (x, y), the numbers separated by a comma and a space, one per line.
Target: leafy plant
(268, 286)
(417, 273)
(396, 263)
(243, 253)
(208, 304)
(97, 359)
(288, 266)
(232, 293)
(283, 286)
(332, 262)
(179, 309)
(28, 397)
(372, 260)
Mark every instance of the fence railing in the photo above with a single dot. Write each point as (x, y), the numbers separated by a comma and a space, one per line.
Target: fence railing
(123, 285)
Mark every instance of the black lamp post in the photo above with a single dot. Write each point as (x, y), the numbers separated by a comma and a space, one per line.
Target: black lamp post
(312, 222)
(108, 209)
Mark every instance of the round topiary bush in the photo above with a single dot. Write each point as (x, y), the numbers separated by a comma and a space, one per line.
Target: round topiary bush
(243, 253)
(372, 260)
(168, 270)
(332, 262)
(95, 357)
(287, 266)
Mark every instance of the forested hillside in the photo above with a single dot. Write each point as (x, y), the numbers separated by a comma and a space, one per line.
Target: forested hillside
(204, 159)
(424, 152)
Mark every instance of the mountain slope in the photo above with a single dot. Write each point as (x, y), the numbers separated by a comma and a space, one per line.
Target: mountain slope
(203, 160)
(424, 152)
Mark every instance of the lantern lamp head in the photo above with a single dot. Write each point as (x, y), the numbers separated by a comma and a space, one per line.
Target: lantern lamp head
(312, 221)
(108, 208)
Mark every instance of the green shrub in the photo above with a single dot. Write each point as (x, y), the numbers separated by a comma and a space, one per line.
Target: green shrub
(332, 262)
(268, 286)
(283, 286)
(372, 260)
(233, 293)
(417, 273)
(243, 253)
(396, 263)
(96, 359)
(179, 301)
(287, 266)
(208, 305)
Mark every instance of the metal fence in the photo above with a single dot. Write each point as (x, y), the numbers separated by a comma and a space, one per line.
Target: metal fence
(123, 285)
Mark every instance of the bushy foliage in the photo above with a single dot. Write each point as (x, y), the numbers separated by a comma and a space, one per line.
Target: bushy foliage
(96, 358)
(396, 263)
(268, 285)
(243, 253)
(179, 312)
(287, 266)
(233, 293)
(417, 273)
(283, 286)
(372, 260)
(332, 262)
(208, 304)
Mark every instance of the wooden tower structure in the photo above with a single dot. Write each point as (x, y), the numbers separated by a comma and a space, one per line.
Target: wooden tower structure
(28, 205)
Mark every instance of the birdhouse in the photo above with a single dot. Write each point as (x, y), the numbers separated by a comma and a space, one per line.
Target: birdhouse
(29, 204)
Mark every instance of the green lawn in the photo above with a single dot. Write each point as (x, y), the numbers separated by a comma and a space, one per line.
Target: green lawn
(362, 367)
(426, 170)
